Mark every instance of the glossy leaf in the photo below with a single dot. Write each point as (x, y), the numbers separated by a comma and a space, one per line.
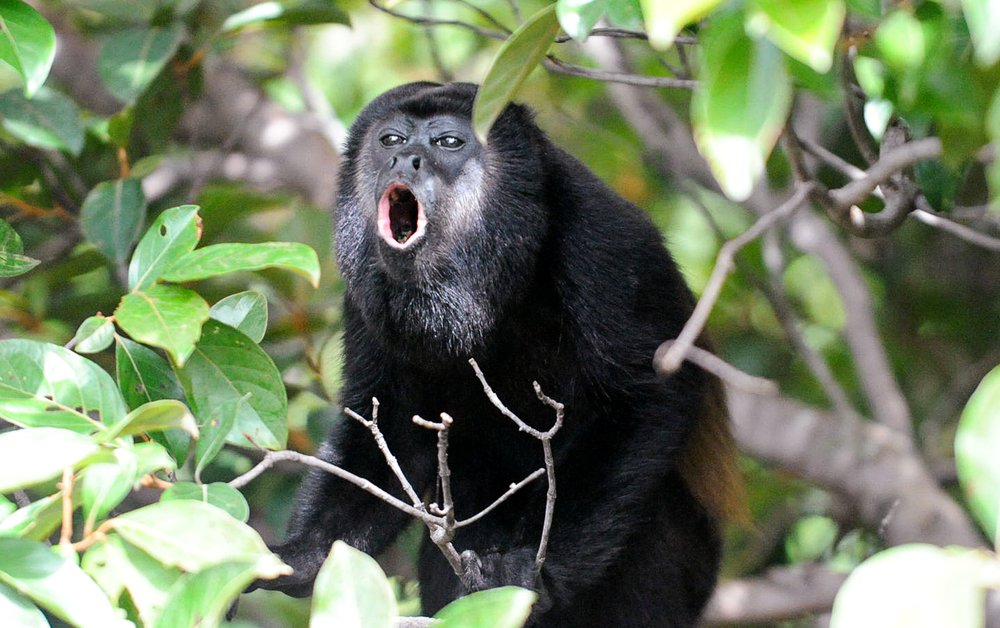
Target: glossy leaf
(118, 566)
(983, 18)
(352, 591)
(218, 494)
(275, 13)
(578, 17)
(112, 217)
(155, 416)
(143, 375)
(916, 586)
(664, 20)
(130, 60)
(35, 571)
(12, 262)
(225, 367)
(172, 235)
(192, 535)
(169, 317)
(215, 430)
(39, 519)
(105, 485)
(152, 457)
(202, 599)
(505, 607)
(517, 57)
(245, 311)
(48, 121)
(27, 43)
(95, 334)
(805, 29)
(221, 259)
(19, 611)
(33, 456)
(740, 105)
(977, 444)
(43, 385)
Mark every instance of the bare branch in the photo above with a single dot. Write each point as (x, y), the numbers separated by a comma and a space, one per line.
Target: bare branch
(510, 491)
(780, 593)
(390, 459)
(721, 369)
(638, 80)
(673, 356)
(431, 21)
(893, 162)
(926, 215)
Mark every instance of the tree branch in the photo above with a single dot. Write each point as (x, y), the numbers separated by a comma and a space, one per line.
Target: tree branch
(780, 593)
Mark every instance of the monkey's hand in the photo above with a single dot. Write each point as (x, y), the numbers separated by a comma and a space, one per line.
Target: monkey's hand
(497, 569)
(304, 559)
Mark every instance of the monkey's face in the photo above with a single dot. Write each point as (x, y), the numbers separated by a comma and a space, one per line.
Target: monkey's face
(422, 163)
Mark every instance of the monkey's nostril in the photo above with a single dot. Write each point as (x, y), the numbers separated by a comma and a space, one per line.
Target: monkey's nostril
(416, 162)
(392, 162)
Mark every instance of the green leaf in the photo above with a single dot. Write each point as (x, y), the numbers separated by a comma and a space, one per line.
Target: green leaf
(202, 599)
(112, 217)
(805, 29)
(19, 611)
(12, 263)
(218, 494)
(56, 584)
(172, 235)
(983, 18)
(505, 607)
(277, 13)
(193, 535)
(169, 317)
(517, 57)
(33, 456)
(220, 259)
(578, 17)
(43, 385)
(95, 334)
(215, 430)
(900, 38)
(225, 367)
(977, 444)
(152, 457)
(27, 43)
(6, 508)
(144, 376)
(664, 20)
(155, 416)
(245, 311)
(351, 591)
(120, 130)
(331, 365)
(39, 519)
(917, 586)
(48, 121)
(105, 485)
(625, 13)
(740, 105)
(118, 566)
(130, 60)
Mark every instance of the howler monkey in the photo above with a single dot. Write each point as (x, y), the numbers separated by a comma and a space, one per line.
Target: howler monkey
(513, 253)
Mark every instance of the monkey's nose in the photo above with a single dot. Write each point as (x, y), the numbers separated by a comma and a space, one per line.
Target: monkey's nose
(415, 160)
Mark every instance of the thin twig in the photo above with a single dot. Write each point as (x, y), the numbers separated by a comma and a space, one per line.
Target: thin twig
(510, 491)
(390, 459)
(725, 371)
(561, 67)
(671, 359)
(486, 15)
(430, 21)
(66, 535)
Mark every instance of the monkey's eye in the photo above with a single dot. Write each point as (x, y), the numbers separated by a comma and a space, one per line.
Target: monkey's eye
(448, 141)
(391, 139)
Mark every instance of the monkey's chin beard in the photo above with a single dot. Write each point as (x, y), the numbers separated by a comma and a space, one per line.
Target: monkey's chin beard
(402, 221)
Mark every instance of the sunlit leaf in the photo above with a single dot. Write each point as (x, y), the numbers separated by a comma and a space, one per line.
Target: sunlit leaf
(202, 599)
(245, 311)
(215, 431)
(351, 591)
(977, 444)
(518, 56)
(505, 607)
(983, 18)
(169, 317)
(130, 60)
(226, 366)
(578, 17)
(112, 216)
(740, 106)
(118, 566)
(27, 43)
(664, 20)
(95, 334)
(275, 13)
(48, 121)
(58, 585)
(221, 259)
(39, 519)
(805, 29)
(914, 586)
(218, 494)
(12, 262)
(33, 456)
(172, 235)
(155, 416)
(43, 385)
(19, 611)
(193, 535)
(105, 485)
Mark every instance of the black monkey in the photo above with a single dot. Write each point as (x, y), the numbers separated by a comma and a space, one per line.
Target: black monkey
(514, 253)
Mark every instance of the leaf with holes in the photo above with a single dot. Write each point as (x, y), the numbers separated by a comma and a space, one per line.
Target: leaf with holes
(518, 56)
(43, 385)
(112, 217)
(169, 317)
(130, 60)
(172, 235)
(27, 43)
(47, 121)
(221, 259)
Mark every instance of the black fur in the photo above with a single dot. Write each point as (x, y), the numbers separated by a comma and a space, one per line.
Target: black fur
(560, 281)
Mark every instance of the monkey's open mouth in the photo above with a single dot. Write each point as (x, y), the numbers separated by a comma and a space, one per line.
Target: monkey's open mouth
(401, 219)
